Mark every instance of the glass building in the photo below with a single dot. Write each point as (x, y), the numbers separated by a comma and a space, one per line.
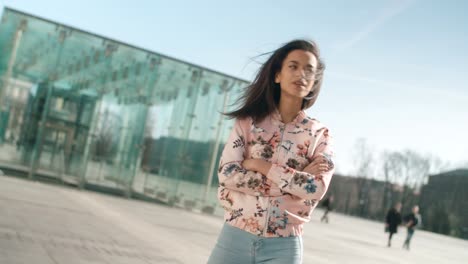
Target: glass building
(95, 112)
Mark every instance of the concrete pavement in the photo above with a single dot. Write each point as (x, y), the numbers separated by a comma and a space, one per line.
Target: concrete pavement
(43, 223)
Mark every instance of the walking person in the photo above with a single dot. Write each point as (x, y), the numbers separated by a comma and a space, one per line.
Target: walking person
(392, 221)
(277, 162)
(412, 221)
(328, 205)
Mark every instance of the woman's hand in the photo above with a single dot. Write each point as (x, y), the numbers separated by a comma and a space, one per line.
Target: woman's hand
(318, 166)
(258, 165)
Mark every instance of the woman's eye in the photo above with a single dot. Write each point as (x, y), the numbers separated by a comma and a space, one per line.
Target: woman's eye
(292, 67)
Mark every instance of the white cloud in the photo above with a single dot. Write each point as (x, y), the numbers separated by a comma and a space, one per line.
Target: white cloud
(393, 9)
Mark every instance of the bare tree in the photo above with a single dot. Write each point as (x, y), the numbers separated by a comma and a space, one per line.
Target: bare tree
(437, 165)
(416, 169)
(410, 170)
(106, 138)
(392, 170)
(363, 160)
(363, 157)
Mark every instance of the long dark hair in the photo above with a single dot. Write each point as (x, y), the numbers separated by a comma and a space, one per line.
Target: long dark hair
(262, 97)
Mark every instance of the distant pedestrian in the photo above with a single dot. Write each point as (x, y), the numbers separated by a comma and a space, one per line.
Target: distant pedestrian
(328, 206)
(412, 221)
(392, 220)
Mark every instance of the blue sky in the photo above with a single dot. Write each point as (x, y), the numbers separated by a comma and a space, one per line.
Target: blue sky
(395, 69)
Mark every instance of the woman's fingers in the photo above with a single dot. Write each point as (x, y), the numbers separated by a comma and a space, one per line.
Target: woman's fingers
(320, 160)
(316, 169)
(317, 166)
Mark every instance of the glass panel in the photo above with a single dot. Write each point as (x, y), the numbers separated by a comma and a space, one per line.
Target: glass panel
(82, 108)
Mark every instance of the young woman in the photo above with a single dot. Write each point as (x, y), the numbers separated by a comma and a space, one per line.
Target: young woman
(277, 162)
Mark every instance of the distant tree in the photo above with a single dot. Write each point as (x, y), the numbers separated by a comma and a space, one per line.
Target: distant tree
(363, 161)
(392, 171)
(106, 137)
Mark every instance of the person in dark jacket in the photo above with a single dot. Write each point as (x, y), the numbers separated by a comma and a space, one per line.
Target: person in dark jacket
(328, 206)
(392, 220)
(412, 220)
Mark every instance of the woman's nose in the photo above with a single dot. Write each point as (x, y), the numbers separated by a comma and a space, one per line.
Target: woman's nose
(301, 73)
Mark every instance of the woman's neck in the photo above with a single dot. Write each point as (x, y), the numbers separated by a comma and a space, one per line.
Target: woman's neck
(288, 108)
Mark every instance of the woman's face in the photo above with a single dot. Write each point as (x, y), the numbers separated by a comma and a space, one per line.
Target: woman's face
(297, 74)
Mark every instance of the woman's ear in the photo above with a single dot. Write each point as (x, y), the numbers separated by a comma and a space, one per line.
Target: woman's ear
(277, 79)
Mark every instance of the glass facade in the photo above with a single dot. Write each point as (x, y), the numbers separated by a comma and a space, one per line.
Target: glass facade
(92, 111)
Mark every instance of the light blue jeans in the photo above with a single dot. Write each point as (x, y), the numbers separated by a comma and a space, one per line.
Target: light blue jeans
(236, 246)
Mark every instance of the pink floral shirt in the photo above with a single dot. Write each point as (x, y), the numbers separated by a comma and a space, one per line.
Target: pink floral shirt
(278, 204)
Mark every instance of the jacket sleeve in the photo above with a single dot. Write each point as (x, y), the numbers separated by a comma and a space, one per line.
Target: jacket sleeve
(233, 176)
(303, 184)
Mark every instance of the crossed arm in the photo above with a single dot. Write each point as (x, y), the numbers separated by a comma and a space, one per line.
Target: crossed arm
(262, 178)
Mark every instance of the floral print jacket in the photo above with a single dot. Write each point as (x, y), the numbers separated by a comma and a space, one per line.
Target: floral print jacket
(279, 203)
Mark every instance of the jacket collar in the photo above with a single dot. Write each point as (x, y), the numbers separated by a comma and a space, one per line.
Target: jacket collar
(276, 117)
